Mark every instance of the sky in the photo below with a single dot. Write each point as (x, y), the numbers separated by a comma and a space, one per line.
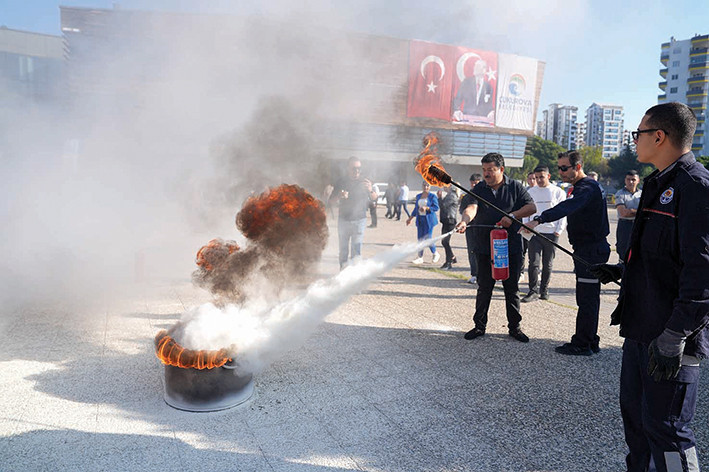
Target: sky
(600, 51)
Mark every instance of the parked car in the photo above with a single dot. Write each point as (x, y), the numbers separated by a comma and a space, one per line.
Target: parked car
(381, 188)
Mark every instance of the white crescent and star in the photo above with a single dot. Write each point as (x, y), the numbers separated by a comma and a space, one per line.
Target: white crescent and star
(436, 60)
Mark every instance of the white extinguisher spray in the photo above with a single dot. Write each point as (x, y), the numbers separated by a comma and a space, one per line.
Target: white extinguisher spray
(499, 250)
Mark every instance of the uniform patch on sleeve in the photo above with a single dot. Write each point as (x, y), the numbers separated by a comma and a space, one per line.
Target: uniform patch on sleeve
(667, 195)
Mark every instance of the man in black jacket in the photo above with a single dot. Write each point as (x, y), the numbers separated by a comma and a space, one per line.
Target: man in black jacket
(510, 196)
(663, 308)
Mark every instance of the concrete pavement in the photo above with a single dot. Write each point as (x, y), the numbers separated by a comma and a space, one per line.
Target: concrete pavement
(386, 383)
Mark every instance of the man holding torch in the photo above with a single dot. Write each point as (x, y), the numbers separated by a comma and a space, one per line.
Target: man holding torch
(663, 308)
(510, 196)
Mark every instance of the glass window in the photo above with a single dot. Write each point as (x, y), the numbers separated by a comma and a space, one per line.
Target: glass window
(675, 63)
(673, 90)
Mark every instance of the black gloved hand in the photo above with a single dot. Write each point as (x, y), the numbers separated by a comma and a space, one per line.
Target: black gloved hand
(607, 273)
(665, 353)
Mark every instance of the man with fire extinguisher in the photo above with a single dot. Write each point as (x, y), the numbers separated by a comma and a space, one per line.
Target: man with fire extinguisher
(587, 219)
(663, 307)
(510, 196)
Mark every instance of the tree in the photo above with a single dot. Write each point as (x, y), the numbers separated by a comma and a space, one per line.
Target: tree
(593, 161)
(704, 160)
(521, 173)
(541, 152)
(625, 161)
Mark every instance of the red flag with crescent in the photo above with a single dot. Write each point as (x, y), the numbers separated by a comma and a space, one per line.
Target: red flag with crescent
(431, 70)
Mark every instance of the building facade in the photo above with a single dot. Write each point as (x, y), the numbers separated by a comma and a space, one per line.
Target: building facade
(366, 77)
(686, 80)
(604, 128)
(30, 67)
(559, 124)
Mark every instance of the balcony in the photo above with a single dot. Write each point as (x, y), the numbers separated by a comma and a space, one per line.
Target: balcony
(696, 147)
(699, 133)
(698, 51)
(662, 85)
(695, 95)
(664, 58)
(702, 79)
(662, 97)
(699, 66)
(663, 73)
(700, 40)
(697, 106)
(665, 45)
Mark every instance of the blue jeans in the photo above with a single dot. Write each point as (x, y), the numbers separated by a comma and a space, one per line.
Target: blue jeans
(351, 234)
(424, 234)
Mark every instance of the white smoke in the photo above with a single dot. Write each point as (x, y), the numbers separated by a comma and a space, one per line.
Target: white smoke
(258, 333)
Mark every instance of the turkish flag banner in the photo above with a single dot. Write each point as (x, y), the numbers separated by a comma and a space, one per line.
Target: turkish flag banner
(431, 69)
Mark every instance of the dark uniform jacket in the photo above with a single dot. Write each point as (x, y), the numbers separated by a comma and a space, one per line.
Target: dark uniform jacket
(666, 279)
(511, 196)
(584, 209)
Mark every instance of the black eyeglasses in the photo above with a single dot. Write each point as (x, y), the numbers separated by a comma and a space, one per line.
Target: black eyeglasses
(637, 133)
(356, 169)
(565, 168)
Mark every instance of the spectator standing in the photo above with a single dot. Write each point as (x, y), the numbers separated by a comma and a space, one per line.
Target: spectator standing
(390, 196)
(541, 252)
(425, 214)
(402, 200)
(448, 202)
(627, 201)
(373, 207)
(353, 193)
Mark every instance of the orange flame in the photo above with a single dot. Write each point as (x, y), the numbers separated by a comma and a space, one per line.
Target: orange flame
(429, 157)
(285, 210)
(215, 252)
(171, 353)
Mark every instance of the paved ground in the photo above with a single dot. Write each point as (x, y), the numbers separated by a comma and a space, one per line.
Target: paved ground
(386, 383)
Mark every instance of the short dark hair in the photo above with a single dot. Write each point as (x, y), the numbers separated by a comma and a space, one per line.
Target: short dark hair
(632, 172)
(531, 172)
(574, 157)
(493, 157)
(676, 119)
(541, 169)
(476, 177)
(352, 160)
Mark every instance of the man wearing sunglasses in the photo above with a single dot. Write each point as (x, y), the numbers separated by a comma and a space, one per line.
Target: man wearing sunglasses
(587, 226)
(354, 194)
(663, 308)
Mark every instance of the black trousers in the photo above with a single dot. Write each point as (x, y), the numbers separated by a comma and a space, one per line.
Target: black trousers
(541, 253)
(656, 415)
(588, 293)
(472, 260)
(485, 285)
(446, 242)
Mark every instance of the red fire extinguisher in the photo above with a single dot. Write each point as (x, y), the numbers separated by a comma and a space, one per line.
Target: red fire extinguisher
(499, 250)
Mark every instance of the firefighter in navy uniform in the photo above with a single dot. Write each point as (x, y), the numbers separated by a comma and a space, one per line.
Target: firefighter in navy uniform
(663, 307)
(587, 225)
